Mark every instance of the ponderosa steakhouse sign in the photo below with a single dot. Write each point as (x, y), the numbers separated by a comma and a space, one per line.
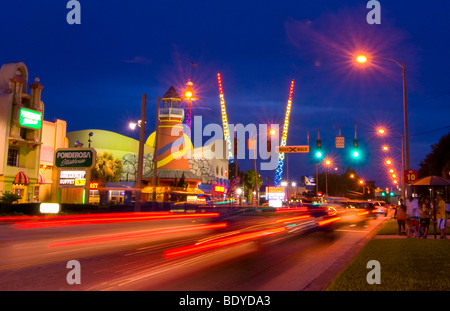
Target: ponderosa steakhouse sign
(75, 157)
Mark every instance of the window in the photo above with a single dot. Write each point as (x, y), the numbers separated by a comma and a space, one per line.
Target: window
(13, 157)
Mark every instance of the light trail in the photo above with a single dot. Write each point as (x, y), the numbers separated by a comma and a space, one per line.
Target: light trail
(137, 235)
(117, 218)
(191, 249)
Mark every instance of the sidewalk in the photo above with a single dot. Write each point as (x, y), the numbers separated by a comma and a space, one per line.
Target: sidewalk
(396, 236)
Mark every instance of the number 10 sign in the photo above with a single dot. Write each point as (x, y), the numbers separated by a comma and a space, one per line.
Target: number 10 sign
(411, 176)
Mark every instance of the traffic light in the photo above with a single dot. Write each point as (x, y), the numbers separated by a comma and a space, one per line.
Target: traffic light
(319, 149)
(383, 194)
(392, 194)
(355, 151)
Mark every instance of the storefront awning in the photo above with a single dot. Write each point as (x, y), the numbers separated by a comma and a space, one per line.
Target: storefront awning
(41, 179)
(21, 179)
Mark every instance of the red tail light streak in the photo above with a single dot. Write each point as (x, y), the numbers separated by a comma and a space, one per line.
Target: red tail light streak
(137, 235)
(327, 221)
(288, 219)
(291, 210)
(191, 249)
(107, 218)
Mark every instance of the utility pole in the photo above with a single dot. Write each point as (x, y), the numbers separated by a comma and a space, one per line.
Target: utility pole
(137, 202)
(155, 152)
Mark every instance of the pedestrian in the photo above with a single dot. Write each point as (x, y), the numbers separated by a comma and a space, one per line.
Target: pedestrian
(400, 215)
(413, 215)
(441, 216)
(425, 216)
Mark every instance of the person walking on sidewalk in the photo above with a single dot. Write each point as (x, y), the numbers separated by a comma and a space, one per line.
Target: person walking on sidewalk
(400, 215)
(425, 216)
(413, 215)
(441, 216)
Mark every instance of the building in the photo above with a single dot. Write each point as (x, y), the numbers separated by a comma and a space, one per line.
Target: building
(21, 120)
(53, 138)
(177, 159)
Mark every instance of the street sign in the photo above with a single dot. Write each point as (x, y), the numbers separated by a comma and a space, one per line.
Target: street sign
(292, 149)
(78, 157)
(411, 176)
(340, 142)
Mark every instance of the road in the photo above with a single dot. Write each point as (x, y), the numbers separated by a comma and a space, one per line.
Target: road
(248, 252)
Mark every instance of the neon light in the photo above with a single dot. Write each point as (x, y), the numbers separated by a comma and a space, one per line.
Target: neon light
(220, 189)
(93, 185)
(279, 169)
(226, 130)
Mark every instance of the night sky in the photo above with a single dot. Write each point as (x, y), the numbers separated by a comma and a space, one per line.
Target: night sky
(94, 74)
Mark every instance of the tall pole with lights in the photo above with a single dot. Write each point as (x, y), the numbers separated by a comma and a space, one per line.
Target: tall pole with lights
(405, 141)
(140, 168)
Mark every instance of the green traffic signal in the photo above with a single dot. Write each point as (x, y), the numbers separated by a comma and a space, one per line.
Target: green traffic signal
(383, 194)
(355, 149)
(319, 149)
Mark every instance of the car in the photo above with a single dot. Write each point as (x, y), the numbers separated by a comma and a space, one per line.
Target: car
(369, 206)
(382, 207)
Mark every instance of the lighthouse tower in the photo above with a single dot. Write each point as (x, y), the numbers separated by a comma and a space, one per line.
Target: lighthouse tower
(172, 144)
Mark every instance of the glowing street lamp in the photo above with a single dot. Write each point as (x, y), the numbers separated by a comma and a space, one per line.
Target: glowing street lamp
(363, 59)
(381, 131)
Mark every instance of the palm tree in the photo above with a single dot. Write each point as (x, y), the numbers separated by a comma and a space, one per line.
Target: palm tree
(107, 168)
(249, 182)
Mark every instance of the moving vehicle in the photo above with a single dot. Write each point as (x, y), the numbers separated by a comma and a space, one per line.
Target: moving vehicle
(382, 207)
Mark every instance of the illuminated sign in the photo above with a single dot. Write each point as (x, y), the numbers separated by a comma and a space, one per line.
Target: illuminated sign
(220, 189)
(275, 193)
(72, 178)
(75, 157)
(30, 118)
(49, 208)
(93, 185)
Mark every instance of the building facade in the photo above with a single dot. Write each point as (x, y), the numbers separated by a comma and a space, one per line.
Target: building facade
(53, 138)
(21, 120)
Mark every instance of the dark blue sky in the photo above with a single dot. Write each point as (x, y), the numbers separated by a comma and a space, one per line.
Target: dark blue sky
(94, 74)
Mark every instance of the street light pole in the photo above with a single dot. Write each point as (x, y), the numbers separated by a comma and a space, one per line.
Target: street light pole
(363, 59)
(140, 168)
(405, 118)
(155, 152)
(403, 167)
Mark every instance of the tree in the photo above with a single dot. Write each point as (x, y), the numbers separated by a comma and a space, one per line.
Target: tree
(9, 197)
(437, 162)
(106, 169)
(249, 183)
(181, 183)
